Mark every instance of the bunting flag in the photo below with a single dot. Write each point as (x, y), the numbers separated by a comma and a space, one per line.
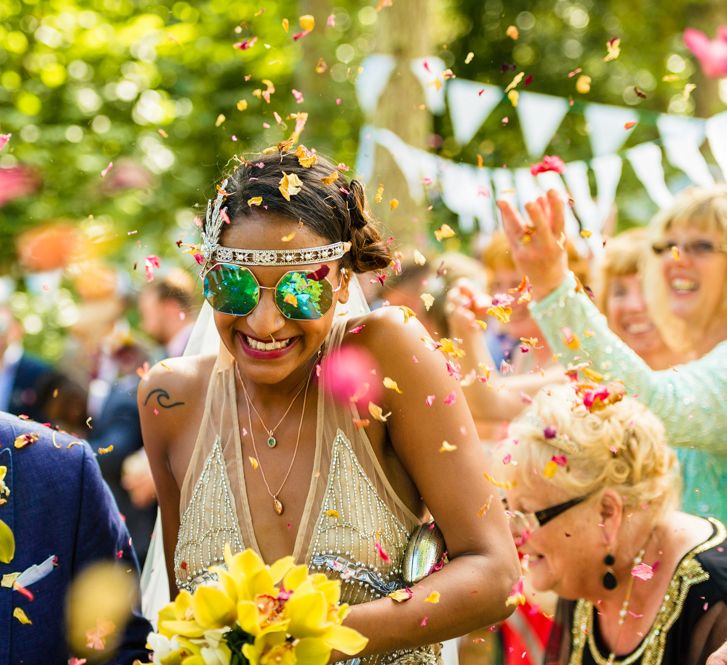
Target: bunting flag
(540, 116)
(607, 127)
(416, 165)
(430, 71)
(646, 162)
(372, 80)
(470, 104)
(682, 137)
(717, 137)
(466, 191)
(502, 181)
(607, 172)
(365, 157)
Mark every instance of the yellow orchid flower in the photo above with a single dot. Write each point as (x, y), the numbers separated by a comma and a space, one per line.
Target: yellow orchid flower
(308, 613)
(345, 639)
(213, 608)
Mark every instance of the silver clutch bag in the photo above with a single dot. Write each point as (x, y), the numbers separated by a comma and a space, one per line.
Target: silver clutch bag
(426, 549)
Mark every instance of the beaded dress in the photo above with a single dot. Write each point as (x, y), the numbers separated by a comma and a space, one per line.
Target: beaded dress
(350, 507)
(689, 398)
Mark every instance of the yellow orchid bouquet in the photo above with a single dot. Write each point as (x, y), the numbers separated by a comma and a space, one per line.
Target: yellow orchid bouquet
(256, 614)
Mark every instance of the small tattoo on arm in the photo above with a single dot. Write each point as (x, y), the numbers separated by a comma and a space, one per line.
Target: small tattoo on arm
(162, 399)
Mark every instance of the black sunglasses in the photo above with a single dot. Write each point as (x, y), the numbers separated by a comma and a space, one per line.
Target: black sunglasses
(521, 523)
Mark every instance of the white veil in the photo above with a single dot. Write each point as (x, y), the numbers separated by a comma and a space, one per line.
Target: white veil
(205, 340)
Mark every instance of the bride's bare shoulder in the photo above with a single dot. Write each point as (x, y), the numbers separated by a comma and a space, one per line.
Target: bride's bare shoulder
(169, 394)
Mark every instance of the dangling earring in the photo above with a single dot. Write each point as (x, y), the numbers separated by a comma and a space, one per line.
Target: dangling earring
(609, 580)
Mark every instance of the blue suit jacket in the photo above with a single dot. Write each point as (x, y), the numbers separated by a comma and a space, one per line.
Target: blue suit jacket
(58, 505)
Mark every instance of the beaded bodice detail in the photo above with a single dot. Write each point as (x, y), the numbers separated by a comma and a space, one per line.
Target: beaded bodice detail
(354, 527)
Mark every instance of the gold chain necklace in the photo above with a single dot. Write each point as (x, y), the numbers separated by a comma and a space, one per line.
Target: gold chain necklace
(278, 506)
(272, 441)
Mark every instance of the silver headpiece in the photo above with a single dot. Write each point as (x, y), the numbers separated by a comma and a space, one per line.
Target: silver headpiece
(213, 252)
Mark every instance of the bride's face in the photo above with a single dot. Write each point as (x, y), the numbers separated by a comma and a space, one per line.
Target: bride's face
(295, 341)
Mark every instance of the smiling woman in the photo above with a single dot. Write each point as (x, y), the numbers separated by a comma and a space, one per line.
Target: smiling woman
(594, 488)
(342, 493)
(688, 398)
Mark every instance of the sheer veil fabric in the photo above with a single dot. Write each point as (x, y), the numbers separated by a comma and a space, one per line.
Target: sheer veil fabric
(205, 340)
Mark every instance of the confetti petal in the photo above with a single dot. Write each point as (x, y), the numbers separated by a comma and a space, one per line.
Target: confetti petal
(392, 385)
(21, 616)
(401, 595)
(433, 598)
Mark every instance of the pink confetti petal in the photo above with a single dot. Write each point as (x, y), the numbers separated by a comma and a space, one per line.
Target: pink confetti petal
(450, 399)
(107, 169)
(643, 571)
(4, 138)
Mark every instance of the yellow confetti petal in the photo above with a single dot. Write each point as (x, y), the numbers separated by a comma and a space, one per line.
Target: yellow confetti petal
(583, 84)
(330, 178)
(675, 253)
(332, 513)
(613, 48)
(306, 158)
(379, 193)
(26, 439)
(512, 32)
(163, 134)
(432, 598)
(400, 595)
(394, 204)
(515, 81)
(7, 543)
(514, 97)
(378, 413)
(428, 300)
(220, 119)
(307, 22)
(485, 507)
(407, 311)
(585, 233)
(392, 385)
(469, 57)
(419, 258)
(592, 375)
(447, 447)
(550, 468)
(253, 463)
(242, 105)
(289, 185)
(444, 231)
(481, 324)
(255, 201)
(289, 237)
(106, 450)
(21, 616)
(8, 580)
(286, 24)
(502, 484)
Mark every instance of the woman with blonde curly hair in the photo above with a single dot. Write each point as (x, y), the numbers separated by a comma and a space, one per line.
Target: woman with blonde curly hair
(593, 490)
(686, 278)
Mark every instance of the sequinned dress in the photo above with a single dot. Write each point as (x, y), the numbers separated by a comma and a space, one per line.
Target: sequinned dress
(347, 478)
(689, 398)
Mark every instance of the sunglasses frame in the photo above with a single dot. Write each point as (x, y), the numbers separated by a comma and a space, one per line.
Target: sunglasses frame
(663, 247)
(540, 518)
(343, 273)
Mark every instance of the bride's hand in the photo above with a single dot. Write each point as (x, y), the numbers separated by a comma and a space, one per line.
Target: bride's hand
(538, 246)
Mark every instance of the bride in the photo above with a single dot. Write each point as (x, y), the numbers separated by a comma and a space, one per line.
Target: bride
(251, 446)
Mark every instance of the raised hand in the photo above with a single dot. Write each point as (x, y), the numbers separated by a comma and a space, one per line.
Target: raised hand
(538, 246)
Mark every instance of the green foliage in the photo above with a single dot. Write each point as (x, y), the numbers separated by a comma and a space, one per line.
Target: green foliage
(153, 87)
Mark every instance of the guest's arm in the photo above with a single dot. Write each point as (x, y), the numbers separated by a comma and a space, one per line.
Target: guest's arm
(688, 398)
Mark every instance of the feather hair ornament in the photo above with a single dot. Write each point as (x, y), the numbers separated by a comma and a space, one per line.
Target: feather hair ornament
(212, 229)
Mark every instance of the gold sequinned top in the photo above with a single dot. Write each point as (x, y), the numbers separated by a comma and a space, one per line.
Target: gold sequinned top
(676, 630)
(347, 478)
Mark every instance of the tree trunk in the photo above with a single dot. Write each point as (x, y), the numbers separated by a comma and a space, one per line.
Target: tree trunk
(402, 31)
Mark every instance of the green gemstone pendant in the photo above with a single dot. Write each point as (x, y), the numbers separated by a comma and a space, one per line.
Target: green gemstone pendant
(272, 441)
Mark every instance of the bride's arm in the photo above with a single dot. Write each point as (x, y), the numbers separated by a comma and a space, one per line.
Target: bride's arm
(159, 427)
(474, 586)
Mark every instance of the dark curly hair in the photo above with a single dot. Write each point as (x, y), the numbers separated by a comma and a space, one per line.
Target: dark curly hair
(336, 211)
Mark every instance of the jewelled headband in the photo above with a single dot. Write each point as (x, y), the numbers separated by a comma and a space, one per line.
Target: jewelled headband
(213, 252)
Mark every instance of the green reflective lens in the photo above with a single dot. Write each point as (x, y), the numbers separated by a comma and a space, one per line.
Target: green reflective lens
(231, 289)
(303, 299)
